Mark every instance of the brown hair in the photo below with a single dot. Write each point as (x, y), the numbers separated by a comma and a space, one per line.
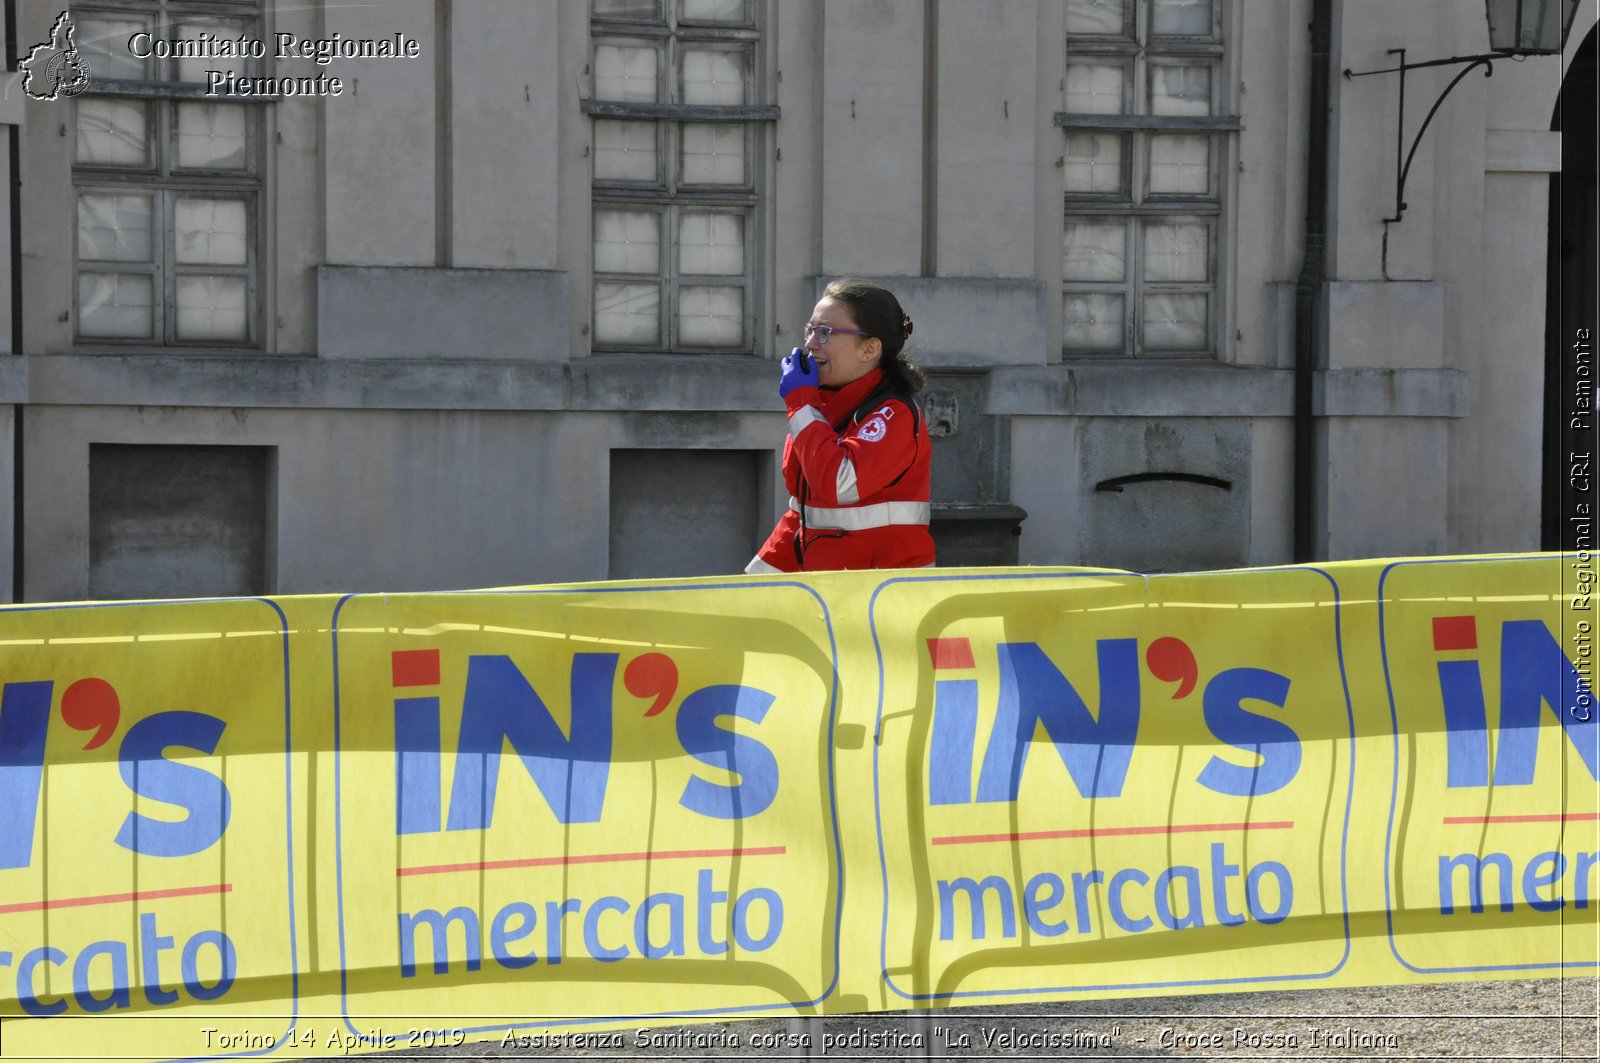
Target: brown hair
(879, 314)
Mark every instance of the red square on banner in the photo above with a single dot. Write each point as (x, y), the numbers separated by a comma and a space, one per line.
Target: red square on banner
(416, 668)
(951, 653)
(1455, 632)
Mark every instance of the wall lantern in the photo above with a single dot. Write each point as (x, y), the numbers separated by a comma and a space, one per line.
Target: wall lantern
(1517, 29)
(1530, 27)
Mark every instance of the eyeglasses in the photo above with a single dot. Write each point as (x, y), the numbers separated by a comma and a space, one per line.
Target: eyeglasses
(824, 332)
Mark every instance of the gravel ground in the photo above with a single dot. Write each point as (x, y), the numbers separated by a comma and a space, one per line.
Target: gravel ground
(1515, 1020)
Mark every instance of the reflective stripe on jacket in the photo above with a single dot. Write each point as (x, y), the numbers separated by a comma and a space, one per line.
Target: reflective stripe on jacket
(858, 478)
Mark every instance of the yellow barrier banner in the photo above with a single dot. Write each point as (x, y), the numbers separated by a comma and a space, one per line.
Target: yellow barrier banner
(313, 826)
(1111, 787)
(1492, 817)
(147, 835)
(612, 794)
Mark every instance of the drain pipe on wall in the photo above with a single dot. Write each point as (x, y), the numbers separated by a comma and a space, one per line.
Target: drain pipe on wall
(14, 144)
(1308, 336)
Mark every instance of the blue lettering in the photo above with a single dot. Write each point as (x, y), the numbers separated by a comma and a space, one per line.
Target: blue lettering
(1581, 867)
(1252, 892)
(1034, 906)
(1221, 872)
(151, 946)
(499, 706)
(976, 892)
(1533, 670)
(735, 753)
(149, 774)
(191, 965)
(117, 954)
(24, 720)
(1473, 866)
(1466, 724)
(1114, 900)
(658, 929)
(1272, 740)
(1177, 895)
(705, 926)
(1533, 880)
(25, 995)
(673, 903)
(416, 765)
(955, 729)
(1190, 877)
(1542, 871)
(1033, 692)
(741, 919)
(502, 934)
(439, 927)
(555, 913)
(111, 987)
(1080, 897)
(591, 928)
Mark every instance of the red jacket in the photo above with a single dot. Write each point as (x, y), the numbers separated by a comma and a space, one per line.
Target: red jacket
(858, 483)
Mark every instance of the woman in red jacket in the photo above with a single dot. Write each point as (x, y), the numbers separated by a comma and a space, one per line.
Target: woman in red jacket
(857, 458)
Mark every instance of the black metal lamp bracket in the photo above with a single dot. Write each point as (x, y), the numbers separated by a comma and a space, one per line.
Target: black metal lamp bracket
(1402, 156)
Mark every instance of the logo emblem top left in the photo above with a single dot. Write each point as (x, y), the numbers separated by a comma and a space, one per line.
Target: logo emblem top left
(55, 68)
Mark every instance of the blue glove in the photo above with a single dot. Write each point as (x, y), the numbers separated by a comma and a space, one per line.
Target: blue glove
(799, 371)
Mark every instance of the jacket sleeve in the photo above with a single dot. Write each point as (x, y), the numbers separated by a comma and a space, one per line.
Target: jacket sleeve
(842, 468)
(791, 468)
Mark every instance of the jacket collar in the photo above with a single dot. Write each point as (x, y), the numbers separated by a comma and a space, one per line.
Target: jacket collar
(837, 402)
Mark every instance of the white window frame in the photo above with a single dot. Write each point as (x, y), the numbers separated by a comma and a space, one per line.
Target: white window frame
(165, 180)
(1140, 52)
(665, 197)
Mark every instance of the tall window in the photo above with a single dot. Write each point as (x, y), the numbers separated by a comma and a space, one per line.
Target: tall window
(1146, 132)
(678, 126)
(167, 183)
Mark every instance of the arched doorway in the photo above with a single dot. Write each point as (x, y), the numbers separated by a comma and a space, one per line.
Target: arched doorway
(1570, 358)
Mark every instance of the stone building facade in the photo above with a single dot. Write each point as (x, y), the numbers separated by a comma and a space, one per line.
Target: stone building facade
(506, 309)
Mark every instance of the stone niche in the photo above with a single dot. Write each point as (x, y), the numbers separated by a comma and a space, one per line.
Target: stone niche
(685, 512)
(973, 520)
(1164, 495)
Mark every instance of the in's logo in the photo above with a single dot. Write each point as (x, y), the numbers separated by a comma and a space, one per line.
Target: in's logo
(92, 705)
(1096, 746)
(1533, 672)
(55, 68)
(1111, 761)
(570, 768)
(1497, 754)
